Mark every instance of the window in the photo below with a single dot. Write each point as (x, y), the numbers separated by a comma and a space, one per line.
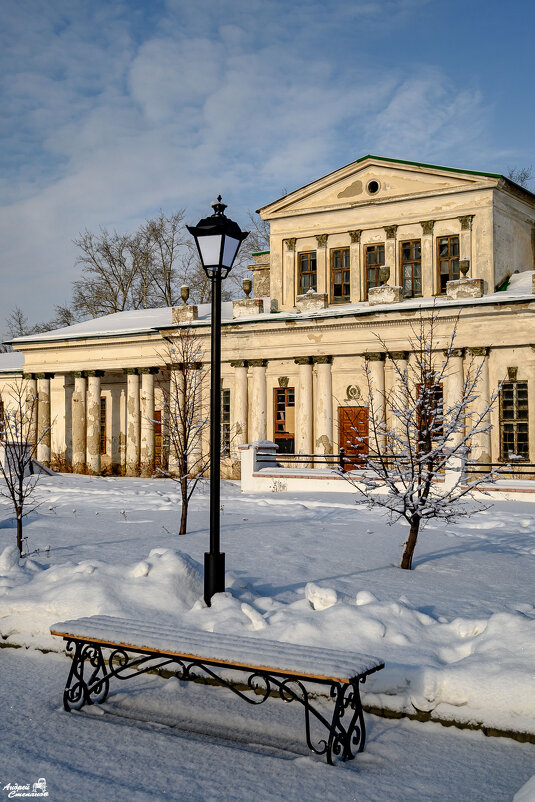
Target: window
(448, 260)
(225, 422)
(411, 268)
(375, 259)
(103, 425)
(514, 420)
(340, 276)
(430, 403)
(307, 272)
(284, 423)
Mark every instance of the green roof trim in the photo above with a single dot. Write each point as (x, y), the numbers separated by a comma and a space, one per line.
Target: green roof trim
(425, 164)
(260, 253)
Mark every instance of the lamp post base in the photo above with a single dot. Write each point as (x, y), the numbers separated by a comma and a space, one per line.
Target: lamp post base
(214, 575)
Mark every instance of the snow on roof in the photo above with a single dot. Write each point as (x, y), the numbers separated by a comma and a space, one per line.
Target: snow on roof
(139, 321)
(12, 362)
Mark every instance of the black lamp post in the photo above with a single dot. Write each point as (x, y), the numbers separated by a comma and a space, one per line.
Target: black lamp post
(218, 240)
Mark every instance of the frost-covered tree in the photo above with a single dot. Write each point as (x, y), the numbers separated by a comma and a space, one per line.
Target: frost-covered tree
(182, 412)
(418, 438)
(18, 428)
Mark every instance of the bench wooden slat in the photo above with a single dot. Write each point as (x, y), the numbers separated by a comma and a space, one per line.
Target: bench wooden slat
(314, 663)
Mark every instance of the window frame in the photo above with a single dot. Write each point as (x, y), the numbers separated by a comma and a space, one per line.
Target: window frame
(453, 275)
(410, 262)
(344, 298)
(103, 419)
(225, 421)
(515, 421)
(376, 267)
(309, 257)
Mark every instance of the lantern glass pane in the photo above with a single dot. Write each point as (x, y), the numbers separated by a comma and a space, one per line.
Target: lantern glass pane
(229, 251)
(210, 248)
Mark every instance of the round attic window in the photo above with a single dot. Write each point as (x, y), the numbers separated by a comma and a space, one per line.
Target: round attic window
(373, 187)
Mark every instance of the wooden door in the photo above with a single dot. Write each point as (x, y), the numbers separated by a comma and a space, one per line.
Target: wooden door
(353, 424)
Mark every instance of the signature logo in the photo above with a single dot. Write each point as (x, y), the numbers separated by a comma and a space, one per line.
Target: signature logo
(36, 789)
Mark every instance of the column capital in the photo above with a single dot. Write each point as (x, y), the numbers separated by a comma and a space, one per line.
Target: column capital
(182, 366)
(290, 243)
(44, 375)
(94, 374)
(303, 360)
(132, 371)
(396, 355)
(355, 235)
(239, 363)
(454, 352)
(390, 231)
(374, 356)
(466, 222)
(322, 360)
(152, 371)
(79, 374)
(258, 363)
(29, 376)
(427, 226)
(483, 351)
(321, 239)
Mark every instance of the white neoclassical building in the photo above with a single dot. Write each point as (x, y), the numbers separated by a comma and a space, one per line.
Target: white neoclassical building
(295, 356)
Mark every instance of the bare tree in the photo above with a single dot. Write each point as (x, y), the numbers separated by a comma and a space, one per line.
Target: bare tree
(17, 323)
(184, 419)
(18, 425)
(520, 175)
(415, 437)
(108, 274)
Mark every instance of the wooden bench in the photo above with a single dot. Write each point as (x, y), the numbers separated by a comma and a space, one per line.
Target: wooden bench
(104, 647)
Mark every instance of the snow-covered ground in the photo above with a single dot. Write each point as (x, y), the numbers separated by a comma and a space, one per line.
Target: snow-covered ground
(457, 635)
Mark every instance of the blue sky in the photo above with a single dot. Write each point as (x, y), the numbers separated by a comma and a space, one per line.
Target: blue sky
(113, 110)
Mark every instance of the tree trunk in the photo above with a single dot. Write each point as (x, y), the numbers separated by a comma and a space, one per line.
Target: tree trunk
(184, 514)
(406, 560)
(19, 534)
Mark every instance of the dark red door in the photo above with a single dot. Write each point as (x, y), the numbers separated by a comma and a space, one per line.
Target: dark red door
(353, 428)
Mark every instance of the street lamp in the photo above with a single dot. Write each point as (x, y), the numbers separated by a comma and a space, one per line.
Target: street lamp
(218, 240)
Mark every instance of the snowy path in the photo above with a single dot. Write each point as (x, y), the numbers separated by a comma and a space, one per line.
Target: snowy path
(107, 756)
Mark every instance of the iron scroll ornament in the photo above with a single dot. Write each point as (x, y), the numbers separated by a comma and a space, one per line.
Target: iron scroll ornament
(89, 678)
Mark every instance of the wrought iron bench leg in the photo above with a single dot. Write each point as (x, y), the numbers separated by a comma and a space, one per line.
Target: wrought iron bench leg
(345, 740)
(87, 682)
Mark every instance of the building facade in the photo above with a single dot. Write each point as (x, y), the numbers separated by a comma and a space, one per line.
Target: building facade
(353, 258)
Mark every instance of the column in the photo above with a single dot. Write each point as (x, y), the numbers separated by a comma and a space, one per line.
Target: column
(79, 423)
(454, 390)
(147, 421)
(323, 423)
(398, 394)
(176, 430)
(43, 417)
(355, 267)
(133, 428)
(429, 273)
(322, 265)
(258, 399)
(480, 445)
(465, 239)
(303, 406)
(93, 421)
(391, 255)
(240, 408)
(375, 367)
(289, 289)
(31, 409)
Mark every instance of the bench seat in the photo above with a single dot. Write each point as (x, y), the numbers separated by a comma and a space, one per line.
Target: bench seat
(257, 654)
(105, 647)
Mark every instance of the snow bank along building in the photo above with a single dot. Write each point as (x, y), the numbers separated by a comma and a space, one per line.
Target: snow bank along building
(295, 354)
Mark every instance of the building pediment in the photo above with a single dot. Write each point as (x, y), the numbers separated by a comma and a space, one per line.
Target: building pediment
(372, 180)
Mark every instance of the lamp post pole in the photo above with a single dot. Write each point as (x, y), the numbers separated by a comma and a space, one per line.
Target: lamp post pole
(214, 560)
(218, 240)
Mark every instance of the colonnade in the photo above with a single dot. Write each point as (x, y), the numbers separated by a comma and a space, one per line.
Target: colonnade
(314, 406)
